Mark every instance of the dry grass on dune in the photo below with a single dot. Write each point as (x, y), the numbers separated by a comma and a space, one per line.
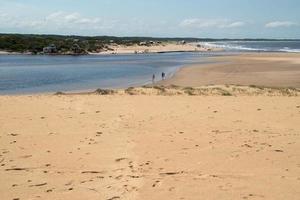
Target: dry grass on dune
(222, 90)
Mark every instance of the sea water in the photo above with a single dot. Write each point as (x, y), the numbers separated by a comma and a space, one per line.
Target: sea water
(292, 46)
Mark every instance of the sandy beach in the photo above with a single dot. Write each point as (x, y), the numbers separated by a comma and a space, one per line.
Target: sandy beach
(167, 47)
(212, 146)
(263, 69)
(150, 100)
(207, 142)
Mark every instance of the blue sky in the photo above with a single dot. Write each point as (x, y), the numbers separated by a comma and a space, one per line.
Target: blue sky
(158, 18)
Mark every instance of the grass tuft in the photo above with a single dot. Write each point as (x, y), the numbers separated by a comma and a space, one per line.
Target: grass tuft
(130, 91)
(59, 93)
(104, 92)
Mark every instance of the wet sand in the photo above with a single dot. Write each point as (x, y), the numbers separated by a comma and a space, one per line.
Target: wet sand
(262, 69)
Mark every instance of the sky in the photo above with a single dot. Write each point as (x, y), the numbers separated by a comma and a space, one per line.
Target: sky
(155, 18)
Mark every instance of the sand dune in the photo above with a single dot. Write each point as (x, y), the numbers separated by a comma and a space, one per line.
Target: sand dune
(157, 48)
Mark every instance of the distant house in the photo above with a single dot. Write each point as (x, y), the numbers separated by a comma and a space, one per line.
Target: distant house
(50, 49)
(143, 43)
(183, 42)
(76, 49)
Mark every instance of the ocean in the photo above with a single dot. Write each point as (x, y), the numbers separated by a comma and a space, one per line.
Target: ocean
(292, 46)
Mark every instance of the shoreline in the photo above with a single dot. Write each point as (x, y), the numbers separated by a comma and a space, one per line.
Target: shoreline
(134, 49)
(242, 69)
(261, 69)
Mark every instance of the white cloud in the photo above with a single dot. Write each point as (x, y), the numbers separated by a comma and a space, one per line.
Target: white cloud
(54, 15)
(2, 14)
(236, 24)
(198, 23)
(60, 21)
(277, 24)
(211, 23)
(70, 18)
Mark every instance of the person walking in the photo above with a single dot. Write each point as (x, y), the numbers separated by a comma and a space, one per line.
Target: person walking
(163, 76)
(153, 78)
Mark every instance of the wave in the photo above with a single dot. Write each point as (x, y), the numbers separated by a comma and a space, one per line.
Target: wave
(235, 46)
(232, 47)
(287, 49)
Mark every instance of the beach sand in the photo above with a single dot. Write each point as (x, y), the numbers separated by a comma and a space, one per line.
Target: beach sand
(150, 147)
(157, 48)
(264, 69)
(209, 142)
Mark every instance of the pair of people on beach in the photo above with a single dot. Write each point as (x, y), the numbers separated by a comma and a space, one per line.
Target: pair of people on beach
(163, 77)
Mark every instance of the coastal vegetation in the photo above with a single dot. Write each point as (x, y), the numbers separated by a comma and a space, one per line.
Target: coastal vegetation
(61, 44)
(213, 90)
(36, 44)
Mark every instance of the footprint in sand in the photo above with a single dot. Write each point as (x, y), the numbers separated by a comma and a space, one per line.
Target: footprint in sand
(119, 177)
(26, 156)
(38, 185)
(155, 184)
(120, 159)
(17, 169)
(69, 183)
(114, 198)
(93, 172)
(278, 151)
(98, 134)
